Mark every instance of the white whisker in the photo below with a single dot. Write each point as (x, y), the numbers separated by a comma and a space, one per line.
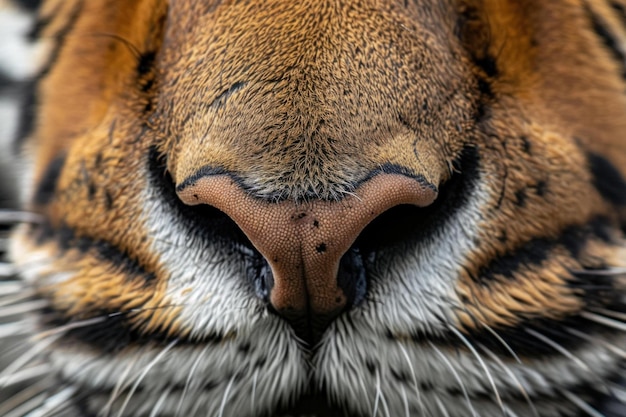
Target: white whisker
(29, 355)
(564, 352)
(406, 402)
(28, 406)
(17, 328)
(619, 392)
(502, 342)
(385, 405)
(27, 374)
(21, 296)
(22, 396)
(18, 309)
(225, 396)
(254, 382)
(67, 327)
(378, 395)
(53, 403)
(119, 386)
(7, 269)
(482, 364)
(143, 374)
(447, 362)
(159, 403)
(615, 314)
(442, 408)
(580, 403)
(414, 377)
(602, 272)
(189, 378)
(516, 380)
(11, 287)
(613, 348)
(14, 216)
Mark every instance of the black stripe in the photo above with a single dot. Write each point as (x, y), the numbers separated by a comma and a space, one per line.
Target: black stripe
(607, 179)
(534, 252)
(28, 115)
(67, 239)
(620, 9)
(47, 186)
(117, 331)
(525, 344)
(607, 38)
(30, 5)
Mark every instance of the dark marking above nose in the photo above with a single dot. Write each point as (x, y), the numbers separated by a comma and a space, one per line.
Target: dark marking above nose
(221, 99)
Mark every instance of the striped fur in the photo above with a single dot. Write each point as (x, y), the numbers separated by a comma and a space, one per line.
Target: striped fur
(505, 297)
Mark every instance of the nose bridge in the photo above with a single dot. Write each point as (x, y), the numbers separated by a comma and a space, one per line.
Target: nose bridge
(304, 242)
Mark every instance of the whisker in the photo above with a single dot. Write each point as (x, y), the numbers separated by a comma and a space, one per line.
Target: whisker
(512, 375)
(28, 406)
(382, 396)
(441, 407)
(615, 314)
(511, 413)
(143, 375)
(67, 327)
(18, 309)
(14, 216)
(189, 378)
(559, 348)
(53, 403)
(10, 287)
(482, 364)
(447, 362)
(619, 392)
(406, 402)
(29, 355)
(159, 403)
(580, 403)
(18, 328)
(378, 395)
(254, 382)
(21, 296)
(7, 270)
(225, 397)
(119, 386)
(21, 397)
(502, 342)
(601, 272)
(414, 377)
(27, 374)
(613, 348)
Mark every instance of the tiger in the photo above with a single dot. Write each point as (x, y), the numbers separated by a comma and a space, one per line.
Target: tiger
(355, 208)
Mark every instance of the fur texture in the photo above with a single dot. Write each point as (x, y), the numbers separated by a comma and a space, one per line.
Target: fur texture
(504, 297)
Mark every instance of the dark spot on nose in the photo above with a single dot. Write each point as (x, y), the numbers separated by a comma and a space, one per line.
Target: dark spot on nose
(321, 248)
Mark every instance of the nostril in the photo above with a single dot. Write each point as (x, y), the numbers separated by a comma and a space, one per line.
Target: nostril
(260, 273)
(352, 277)
(397, 225)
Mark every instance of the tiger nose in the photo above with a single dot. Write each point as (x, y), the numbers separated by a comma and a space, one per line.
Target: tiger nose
(315, 273)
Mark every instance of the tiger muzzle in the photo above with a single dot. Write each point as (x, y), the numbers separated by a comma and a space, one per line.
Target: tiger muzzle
(315, 274)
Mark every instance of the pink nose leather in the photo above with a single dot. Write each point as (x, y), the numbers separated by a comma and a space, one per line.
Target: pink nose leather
(304, 242)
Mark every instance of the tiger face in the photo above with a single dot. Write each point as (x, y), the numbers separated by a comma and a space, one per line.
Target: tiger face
(329, 208)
